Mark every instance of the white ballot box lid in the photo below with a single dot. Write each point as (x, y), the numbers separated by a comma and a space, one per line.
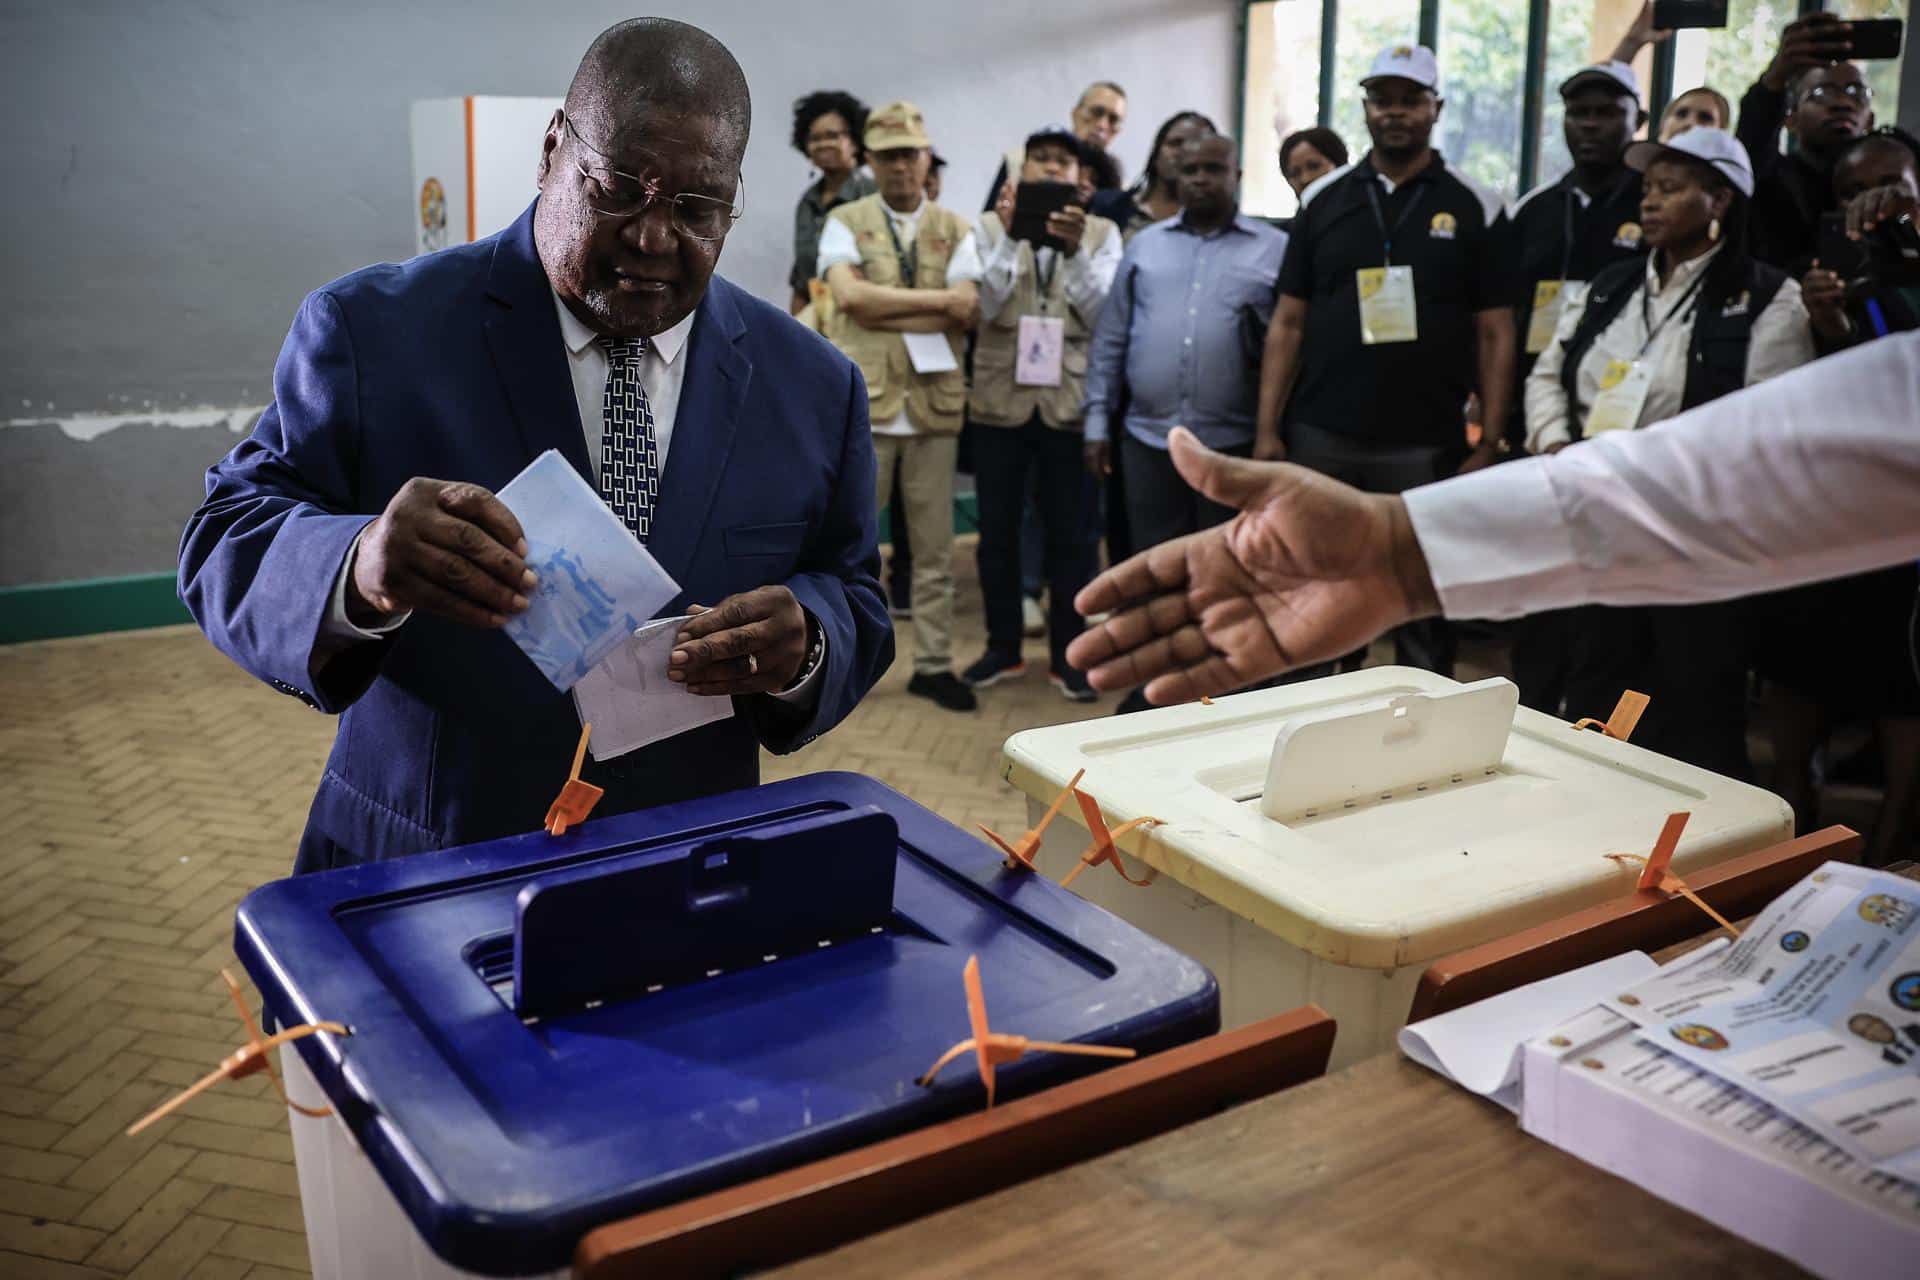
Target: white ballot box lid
(1389, 816)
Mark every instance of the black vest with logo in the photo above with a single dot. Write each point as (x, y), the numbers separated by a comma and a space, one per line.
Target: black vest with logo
(1722, 328)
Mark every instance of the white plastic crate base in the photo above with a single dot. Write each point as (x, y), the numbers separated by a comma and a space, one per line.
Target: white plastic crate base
(356, 1230)
(1372, 865)
(1260, 976)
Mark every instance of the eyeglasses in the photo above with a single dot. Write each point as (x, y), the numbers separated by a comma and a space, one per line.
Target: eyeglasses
(613, 194)
(1859, 92)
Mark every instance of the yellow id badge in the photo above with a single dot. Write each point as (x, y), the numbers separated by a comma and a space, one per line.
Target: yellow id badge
(1623, 394)
(1387, 311)
(1548, 300)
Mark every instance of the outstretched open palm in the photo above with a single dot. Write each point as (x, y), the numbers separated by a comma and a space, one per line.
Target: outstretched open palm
(1310, 569)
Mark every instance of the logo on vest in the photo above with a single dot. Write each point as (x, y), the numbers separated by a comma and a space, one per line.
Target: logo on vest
(1628, 236)
(1443, 226)
(1738, 307)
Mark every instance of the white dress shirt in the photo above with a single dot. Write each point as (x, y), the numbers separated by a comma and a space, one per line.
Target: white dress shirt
(1812, 475)
(837, 245)
(1087, 277)
(1781, 340)
(662, 374)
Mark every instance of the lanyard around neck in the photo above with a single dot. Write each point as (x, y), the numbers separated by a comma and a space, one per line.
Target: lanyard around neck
(909, 259)
(1380, 220)
(1646, 312)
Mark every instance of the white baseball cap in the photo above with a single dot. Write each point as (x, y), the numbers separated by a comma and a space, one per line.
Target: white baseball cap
(1413, 62)
(1618, 73)
(1715, 147)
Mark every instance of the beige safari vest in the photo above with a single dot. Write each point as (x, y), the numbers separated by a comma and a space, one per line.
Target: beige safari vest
(933, 401)
(996, 400)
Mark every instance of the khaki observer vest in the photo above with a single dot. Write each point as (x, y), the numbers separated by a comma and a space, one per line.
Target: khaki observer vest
(933, 401)
(997, 400)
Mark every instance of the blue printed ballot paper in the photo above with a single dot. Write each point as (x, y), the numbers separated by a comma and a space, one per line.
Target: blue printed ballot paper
(1815, 1011)
(597, 582)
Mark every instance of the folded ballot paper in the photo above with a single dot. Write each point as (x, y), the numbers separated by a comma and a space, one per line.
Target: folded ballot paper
(630, 702)
(1725, 1082)
(598, 584)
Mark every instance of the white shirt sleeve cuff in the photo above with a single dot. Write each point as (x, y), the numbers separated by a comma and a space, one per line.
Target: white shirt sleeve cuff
(1511, 508)
(336, 626)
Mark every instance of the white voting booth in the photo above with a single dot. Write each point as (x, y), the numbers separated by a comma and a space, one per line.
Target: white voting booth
(473, 165)
(1326, 841)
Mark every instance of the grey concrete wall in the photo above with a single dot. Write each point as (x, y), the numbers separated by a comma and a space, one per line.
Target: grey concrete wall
(180, 175)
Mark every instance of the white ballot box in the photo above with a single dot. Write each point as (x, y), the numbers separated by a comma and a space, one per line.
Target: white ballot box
(473, 165)
(1326, 841)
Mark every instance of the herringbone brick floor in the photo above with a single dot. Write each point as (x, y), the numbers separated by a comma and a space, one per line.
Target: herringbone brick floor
(146, 784)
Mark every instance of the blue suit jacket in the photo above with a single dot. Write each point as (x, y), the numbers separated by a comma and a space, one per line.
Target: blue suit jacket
(452, 366)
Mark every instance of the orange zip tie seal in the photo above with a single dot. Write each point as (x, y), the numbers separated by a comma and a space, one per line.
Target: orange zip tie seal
(1020, 853)
(1625, 718)
(577, 798)
(1655, 875)
(255, 1056)
(990, 1048)
(1103, 848)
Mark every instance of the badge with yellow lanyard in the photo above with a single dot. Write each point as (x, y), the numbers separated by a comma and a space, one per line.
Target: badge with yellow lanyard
(1388, 309)
(1623, 384)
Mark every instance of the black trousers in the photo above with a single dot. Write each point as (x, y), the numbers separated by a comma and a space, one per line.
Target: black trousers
(1691, 660)
(1161, 506)
(1542, 658)
(900, 563)
(1429, 643)
(1009, 464)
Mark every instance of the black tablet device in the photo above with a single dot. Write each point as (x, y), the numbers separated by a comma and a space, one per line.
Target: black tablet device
(1033, 204)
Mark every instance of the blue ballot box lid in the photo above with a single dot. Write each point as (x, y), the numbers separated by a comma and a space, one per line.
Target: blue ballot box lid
(552, 1033)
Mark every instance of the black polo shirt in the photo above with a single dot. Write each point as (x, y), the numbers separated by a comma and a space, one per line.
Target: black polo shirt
(1559, 235)
(1452, 232)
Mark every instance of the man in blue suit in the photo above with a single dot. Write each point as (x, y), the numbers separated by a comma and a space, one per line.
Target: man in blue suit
(351, 552)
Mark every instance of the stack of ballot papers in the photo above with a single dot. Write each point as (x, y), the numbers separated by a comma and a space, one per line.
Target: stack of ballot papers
(1769, 1085)
(586, 625)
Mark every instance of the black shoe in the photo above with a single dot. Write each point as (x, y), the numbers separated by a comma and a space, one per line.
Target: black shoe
(945, 689)
(992, 668)
(1134, 701)
(1072, 684)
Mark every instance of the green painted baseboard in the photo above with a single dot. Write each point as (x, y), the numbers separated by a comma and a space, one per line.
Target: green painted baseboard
(48, 610)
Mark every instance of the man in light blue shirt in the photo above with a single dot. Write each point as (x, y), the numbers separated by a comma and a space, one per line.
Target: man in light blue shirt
(1178, 344)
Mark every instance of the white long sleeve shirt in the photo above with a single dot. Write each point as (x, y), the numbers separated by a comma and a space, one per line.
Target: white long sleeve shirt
(1781, 341)
(1813, 475)
(1088, 275)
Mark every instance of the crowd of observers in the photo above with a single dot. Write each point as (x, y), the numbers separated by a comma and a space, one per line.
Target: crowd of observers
(1405, 324)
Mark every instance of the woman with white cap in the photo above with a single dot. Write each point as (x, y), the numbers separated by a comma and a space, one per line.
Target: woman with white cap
(1699, 318)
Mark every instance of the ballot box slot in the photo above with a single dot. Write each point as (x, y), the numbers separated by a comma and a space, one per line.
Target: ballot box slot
(491, 959)
(601, 933)
(413, 896)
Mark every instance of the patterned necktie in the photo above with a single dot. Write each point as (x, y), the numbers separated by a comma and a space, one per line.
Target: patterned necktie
(629, 458)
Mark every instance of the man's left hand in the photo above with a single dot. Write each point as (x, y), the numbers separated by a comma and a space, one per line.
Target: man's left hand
(750, 643)
(1068, 226)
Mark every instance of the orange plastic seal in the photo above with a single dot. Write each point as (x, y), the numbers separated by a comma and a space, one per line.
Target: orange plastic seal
(991, 1048)
(255, 1055)
(1655, 873)
(1625, 718)
(1102, 849)
(577, 798)
(1020, 852)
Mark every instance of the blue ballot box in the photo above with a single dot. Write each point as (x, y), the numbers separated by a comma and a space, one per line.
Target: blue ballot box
(548, 1034)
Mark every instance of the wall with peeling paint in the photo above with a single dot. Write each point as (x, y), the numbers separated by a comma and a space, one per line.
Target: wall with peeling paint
(180, 175)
